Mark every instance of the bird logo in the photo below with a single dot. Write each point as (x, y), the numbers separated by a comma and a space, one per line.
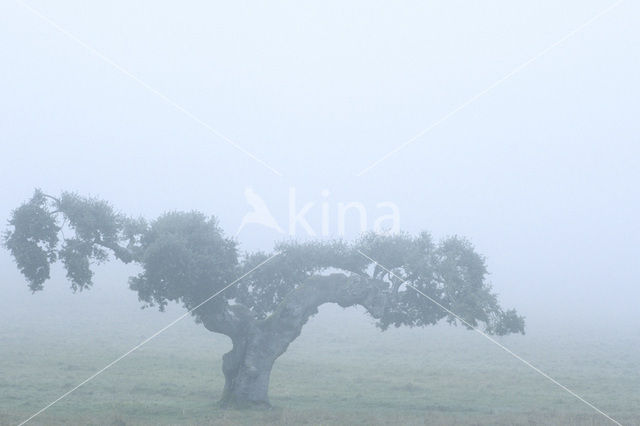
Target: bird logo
(260, 215)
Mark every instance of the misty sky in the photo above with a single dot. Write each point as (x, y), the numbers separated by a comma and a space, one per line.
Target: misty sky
(541, 173)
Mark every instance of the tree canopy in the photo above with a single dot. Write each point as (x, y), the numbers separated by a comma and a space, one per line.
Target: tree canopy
(185, 258)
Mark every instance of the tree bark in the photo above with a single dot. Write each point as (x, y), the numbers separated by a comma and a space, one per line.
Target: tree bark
(247, 367)
(247, 370)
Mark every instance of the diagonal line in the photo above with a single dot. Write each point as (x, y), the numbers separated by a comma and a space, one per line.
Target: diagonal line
(480, 94)
(482, 333)
(149, 87)
(148, 339)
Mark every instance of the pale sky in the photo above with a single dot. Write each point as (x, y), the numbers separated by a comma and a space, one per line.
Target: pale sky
(540, 173)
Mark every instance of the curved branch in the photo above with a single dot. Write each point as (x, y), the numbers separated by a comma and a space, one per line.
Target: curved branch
(232, 320)
(286, 323)
(121, 253)
(51, 197)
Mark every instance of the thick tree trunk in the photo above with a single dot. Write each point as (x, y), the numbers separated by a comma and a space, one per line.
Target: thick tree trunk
(247, 369)
(257, 344)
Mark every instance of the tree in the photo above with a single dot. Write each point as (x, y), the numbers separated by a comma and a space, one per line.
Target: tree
(184, 257)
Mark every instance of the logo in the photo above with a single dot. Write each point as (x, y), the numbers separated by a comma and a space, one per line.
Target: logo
(260, 215)
(334, 219)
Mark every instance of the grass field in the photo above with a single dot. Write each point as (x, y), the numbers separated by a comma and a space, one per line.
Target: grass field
(340, 371)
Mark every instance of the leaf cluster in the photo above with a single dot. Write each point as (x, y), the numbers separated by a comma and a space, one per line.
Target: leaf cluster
(186, 258)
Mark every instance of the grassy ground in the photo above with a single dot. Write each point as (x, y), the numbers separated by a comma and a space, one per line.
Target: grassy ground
(340, 371)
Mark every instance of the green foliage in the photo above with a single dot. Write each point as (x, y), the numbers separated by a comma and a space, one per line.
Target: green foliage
(450, 273)
(92, 219)
(92, 230)
(75, 255)
(507, 322)
(96, 224)
(186, 258)
(267, 286)
(33, 240)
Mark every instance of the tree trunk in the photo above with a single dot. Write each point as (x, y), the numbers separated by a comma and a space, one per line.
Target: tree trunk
(247, 367)
(246, 386)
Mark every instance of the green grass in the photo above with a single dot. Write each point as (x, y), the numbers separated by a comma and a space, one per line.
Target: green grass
(340, 371)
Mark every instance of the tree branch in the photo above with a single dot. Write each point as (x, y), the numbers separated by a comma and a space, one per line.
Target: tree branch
(286, 323)
(122, 253)
(51, 197)
(232, 321)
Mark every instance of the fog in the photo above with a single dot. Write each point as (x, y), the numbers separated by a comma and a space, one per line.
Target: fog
(128, 101)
